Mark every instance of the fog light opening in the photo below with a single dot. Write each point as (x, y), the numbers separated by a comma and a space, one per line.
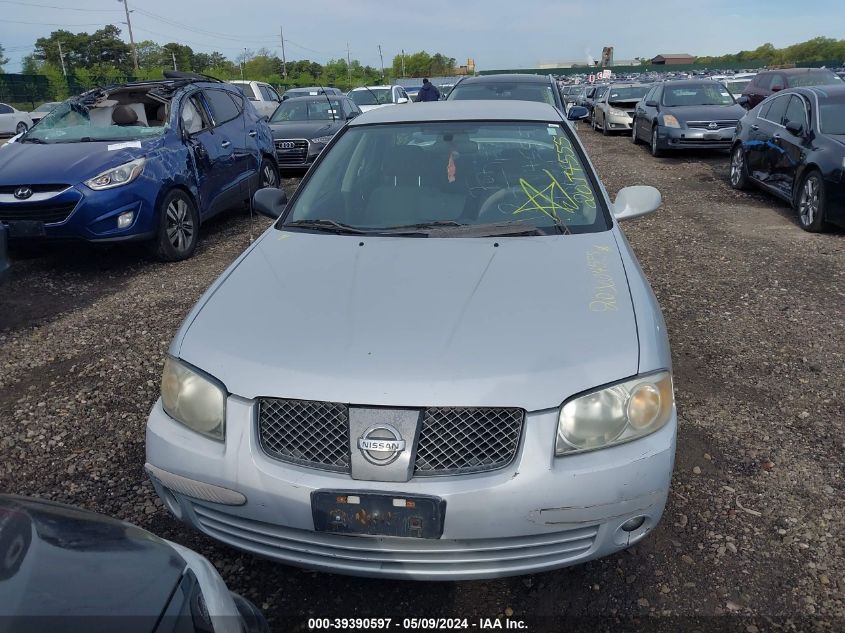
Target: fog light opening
(633, 524)
(125, 219)
(171, 502)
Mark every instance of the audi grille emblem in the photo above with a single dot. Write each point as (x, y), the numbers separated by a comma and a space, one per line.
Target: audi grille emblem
(23, 193)
(381, 445)
(287, 145)
(712, 125)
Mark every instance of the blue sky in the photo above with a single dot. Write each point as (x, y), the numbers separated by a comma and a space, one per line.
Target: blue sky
(496, 33)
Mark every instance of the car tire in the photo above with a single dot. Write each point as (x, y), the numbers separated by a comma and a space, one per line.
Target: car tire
(739, 169)
(268, 174)
(634, 138)
(178, 227)
(21, 127)
(655, 148)
(810, 201)
(604, 130)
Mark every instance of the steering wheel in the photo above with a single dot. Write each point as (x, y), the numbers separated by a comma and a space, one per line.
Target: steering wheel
(491, 206)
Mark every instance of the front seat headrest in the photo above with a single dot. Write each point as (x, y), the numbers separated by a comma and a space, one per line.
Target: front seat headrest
(124, 115)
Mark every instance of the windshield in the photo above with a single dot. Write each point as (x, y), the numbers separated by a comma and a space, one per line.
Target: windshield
(458, 179)
(713, 93)
(818, 78)
(633, 93)
(373, 96)
(45, 107)
(832, 116)
(500, 90)
(307, 110)
(73, 122)
(247, 91)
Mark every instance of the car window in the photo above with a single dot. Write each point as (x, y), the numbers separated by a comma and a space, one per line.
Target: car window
(265, 93)
(371, 96)
(776, 81)
(4, 109)
(273, 93)
(193, 115)
(348, 107)
(76, 121)
(777, 109)
(796, 111)
(630, 93)
(383, 176)
(541, 92)
(817, 78)
(832, 115)
(712, 93)
(307, 110)
(223, 107)
(248, 91)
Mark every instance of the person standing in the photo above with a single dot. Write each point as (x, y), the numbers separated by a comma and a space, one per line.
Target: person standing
(428, 92)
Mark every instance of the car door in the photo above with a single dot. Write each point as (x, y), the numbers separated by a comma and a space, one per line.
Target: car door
(651, 108)
(7, 119)
(227, 114)
(209, 158)
(269, 100)
(641, 112)
(792, 147)
(761, 156)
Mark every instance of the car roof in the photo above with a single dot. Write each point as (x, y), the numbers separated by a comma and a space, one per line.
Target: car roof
(795, 71)
(689, 82)
(831, 90)
(369, 88)
(509, 78)
(321, 97)
(469, 110)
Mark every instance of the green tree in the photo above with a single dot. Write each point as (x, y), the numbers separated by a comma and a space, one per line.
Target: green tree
(3, 59)
(421, 64)
(82, 50)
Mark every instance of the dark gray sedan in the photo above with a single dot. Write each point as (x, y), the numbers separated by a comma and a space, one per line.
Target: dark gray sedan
(686, 115)
(302, 127)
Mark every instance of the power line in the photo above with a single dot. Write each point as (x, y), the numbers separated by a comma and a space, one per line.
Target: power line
(100, 24)
(49, 6)
(235, 38)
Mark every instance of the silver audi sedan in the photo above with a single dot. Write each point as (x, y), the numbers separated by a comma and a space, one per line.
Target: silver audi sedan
(442, 361)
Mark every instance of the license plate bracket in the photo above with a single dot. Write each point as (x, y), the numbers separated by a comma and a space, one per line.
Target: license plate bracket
(26, 228)
(358, 513)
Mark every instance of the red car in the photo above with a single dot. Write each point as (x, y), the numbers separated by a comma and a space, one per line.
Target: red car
(768, 82)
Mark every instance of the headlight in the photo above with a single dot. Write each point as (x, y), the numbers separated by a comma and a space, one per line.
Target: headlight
(615, 112)
(195, 399)
(322, 140)
(612, 415)
(670, 121)
(117, 176)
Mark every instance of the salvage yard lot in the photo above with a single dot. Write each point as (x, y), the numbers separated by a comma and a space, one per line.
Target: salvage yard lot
(755, 307)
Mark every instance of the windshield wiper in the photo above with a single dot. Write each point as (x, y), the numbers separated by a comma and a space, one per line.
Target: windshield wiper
(330, 226)
(31, 139)
(492, 229)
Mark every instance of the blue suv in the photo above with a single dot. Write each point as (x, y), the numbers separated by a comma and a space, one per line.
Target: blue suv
(146, 161)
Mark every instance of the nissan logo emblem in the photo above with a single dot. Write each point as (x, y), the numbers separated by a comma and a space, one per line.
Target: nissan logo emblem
(287, 145)
(381, 445)
(713, 125)
(23, 193)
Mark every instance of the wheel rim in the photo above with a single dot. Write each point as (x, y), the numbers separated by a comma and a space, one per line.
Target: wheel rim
(737, 165)
(808, 205)
(180, 225)
(268, 176)
(21, 127)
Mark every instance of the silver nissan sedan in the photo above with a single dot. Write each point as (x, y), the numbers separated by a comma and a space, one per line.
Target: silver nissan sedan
(442, 361)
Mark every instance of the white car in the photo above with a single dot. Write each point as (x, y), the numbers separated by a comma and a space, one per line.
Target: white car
(263, 96)
(735, 83)
(13, 121)
(372, 97)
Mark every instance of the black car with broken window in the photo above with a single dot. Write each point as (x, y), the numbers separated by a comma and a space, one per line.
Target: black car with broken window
(686, 115)
(793, 146)
(302, 127)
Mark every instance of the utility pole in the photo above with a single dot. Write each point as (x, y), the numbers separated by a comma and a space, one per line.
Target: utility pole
(62, 58)
(243, 63)
(173, 55)
(348, 65)
(131, 37)
(403, 62)
(381, 57)
(284, 63)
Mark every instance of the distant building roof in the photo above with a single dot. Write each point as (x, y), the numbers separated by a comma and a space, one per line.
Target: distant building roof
(673, 58)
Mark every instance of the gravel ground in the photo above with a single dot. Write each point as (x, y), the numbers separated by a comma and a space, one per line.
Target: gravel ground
(752, 539)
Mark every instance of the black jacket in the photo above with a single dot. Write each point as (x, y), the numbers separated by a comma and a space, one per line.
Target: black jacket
(428, 92)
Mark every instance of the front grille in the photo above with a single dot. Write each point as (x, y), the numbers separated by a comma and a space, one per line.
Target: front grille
(47, 212)
(453, 440)
(305, 432)
(295, 155)
(705, 125)
(465, 440)
(35, 188)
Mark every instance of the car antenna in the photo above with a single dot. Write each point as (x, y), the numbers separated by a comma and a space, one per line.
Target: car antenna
(329, 101)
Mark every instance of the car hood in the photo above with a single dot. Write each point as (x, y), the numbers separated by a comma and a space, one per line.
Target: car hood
(71, 163)
(60, 561)
(367, 108)
(706, 113)
(418, 322)
(304, 129)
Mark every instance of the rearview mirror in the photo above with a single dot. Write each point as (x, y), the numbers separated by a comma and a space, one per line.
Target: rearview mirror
(270, 202)
(632, 202)
(578, 113)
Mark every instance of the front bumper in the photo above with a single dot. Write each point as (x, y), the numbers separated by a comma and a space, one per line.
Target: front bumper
(79, 213)
(539, 513)
(690, 138)
(616, 122)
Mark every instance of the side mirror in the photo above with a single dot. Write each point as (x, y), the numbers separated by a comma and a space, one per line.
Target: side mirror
(578, 113)
(777, 88)
(270, 202)
(794, 128)
(632, 202)
(743, 101)
(651, 103)
(352, 114)
(402, 100)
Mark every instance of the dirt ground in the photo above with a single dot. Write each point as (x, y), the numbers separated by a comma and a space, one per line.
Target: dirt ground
(752, 538)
